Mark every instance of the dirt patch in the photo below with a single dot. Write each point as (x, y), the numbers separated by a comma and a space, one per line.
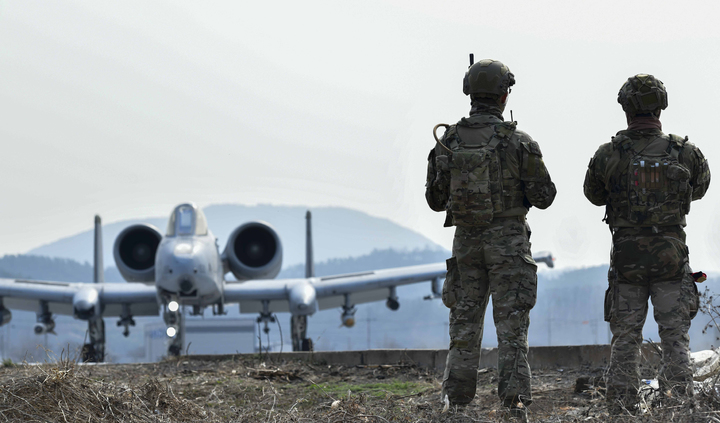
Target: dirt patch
(255, 389)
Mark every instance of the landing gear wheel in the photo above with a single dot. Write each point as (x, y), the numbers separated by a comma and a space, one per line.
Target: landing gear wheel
(87, 354)
(174, 350)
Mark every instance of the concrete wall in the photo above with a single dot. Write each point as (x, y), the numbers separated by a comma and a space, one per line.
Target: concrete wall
(574, 356)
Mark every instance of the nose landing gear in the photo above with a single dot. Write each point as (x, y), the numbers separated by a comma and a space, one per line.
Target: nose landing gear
(175, 322)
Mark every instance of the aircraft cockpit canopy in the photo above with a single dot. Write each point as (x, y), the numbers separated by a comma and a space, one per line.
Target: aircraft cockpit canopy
(186, 220)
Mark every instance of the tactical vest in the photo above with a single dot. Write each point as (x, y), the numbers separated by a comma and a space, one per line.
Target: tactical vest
(481, 185)
(647, 182)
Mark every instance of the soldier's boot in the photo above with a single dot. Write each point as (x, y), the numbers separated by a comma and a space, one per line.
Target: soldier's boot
(621, 406)
(449, 406)
(681, 396)
(459, 392)
(621, 400)
(518, 413)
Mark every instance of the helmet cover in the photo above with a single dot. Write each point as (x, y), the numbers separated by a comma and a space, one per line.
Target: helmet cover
(642, 93)
(488, 78)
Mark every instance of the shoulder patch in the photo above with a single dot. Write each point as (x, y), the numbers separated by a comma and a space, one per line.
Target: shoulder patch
(695, 150)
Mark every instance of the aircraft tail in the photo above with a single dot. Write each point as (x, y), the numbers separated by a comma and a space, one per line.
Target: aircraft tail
(98, 269)
(309, 263)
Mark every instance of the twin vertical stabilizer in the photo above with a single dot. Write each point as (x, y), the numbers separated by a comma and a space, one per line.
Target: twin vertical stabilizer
(309, 264)
(98, 272)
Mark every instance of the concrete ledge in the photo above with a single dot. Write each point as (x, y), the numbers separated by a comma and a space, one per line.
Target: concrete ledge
(573, 356)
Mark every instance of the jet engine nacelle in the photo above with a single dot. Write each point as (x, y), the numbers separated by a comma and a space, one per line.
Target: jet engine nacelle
(253, 251)
(134, 252)
(303, 300)
(43, 328)
(86, 304)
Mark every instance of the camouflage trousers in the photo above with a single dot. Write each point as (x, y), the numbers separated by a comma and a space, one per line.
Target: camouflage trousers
(493, 260)
(647, 265)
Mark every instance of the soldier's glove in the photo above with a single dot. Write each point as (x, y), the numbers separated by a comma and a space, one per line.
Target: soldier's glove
(699, 277)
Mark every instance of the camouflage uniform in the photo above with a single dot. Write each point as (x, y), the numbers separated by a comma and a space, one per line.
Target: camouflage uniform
(645, 209)
(491, 249)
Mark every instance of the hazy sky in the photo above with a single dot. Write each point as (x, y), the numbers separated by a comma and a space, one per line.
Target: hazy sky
(128, 108)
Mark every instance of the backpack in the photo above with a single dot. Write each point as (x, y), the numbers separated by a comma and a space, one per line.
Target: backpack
(475, 173)
(648, 184)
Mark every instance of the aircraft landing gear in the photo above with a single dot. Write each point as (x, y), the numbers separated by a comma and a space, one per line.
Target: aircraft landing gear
(126, 320)
(298, 329)
(266, 317)
(175, 322)
(94, 351)
(45, 322)
(436, 287)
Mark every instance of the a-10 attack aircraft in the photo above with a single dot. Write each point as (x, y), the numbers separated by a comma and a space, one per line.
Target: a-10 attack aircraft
(185, 268)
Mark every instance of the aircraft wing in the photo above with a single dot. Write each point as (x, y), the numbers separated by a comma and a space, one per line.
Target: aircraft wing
(363, 287)
(372, 285)
(20, 294)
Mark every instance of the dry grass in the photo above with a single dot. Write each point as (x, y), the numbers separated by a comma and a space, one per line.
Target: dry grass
(254, 390)
(61, 393)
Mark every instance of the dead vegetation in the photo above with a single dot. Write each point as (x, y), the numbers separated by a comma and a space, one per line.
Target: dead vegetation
(64, 392)
(257, 390)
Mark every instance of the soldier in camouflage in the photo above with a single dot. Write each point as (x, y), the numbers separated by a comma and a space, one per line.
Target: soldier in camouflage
(485, 174)
(646, 181)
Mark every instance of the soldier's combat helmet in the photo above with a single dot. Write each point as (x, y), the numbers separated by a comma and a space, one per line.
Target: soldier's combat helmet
(488, 78)
(642, 93)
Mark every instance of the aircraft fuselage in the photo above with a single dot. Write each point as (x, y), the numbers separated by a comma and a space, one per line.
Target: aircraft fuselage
(189, 270)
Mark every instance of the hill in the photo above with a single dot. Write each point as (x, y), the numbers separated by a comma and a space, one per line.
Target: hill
(377, 259)
(45, 268)
(53, 269)
(337, 232)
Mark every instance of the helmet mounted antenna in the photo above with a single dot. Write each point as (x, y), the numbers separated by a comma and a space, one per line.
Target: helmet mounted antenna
(472, 59)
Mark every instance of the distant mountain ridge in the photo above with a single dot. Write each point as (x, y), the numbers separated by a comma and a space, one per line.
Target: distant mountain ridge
(377, 259)
(44, 268)
(67, 270)
(337, 232)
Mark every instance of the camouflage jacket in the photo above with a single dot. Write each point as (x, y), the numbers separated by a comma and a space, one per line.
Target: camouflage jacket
(609, 179)
(522, 180)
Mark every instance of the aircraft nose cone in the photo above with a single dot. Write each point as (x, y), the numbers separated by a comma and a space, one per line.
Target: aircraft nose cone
(186, 286)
